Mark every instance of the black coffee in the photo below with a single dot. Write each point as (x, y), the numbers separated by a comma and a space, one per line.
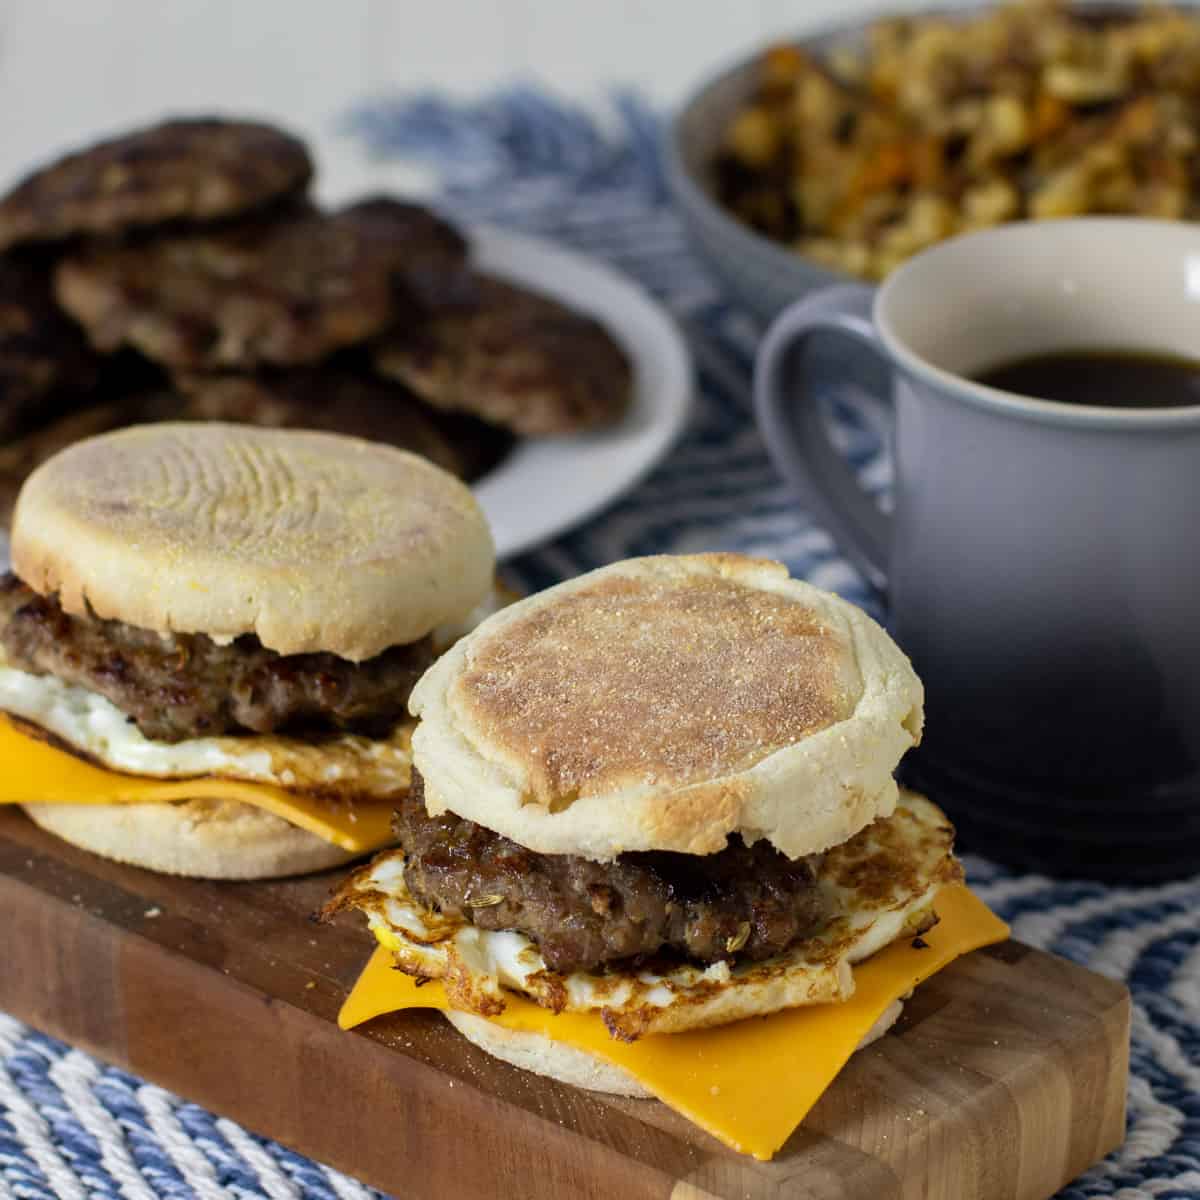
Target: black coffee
(1109, 378)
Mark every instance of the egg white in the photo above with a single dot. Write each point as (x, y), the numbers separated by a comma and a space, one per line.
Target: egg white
(93, 725)
(911, 849)
(98, 729)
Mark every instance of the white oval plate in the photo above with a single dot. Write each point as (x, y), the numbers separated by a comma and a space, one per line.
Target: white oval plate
(548, 485)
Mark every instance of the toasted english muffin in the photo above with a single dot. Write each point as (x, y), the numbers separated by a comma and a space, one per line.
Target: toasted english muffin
(665, 703)
(200, 838)
(309, 541)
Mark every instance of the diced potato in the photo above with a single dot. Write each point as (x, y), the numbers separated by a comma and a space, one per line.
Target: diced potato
(753, 137)
(1064, 194)
(990, 203)
(1085, 84)
(1008, 124)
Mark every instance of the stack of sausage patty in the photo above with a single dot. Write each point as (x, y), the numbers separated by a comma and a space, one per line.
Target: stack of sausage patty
(182, 272)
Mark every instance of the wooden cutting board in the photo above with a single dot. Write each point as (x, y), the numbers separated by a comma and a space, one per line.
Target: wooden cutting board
(1004, 1079)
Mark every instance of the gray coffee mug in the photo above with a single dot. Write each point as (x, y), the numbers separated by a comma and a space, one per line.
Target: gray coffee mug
(1041, 561)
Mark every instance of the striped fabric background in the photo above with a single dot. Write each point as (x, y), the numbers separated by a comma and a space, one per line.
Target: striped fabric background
(74, 1128)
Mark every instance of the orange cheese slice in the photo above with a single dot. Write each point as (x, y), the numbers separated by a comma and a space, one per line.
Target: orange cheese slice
(750, 1083)
(37, 773)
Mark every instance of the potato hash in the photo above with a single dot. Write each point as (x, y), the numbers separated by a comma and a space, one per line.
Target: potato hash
(938, 124)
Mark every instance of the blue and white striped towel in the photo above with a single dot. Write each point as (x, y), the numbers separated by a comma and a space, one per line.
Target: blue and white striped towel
(73, 1128)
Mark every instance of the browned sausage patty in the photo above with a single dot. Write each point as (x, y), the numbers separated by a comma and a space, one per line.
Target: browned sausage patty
(746, 902)
(186, 685)
(277, 291)
(509, 356)
(200, 169)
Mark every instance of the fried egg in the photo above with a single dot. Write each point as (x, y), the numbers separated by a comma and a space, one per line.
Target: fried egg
(97, 729)
(94, 726)
(877, 887)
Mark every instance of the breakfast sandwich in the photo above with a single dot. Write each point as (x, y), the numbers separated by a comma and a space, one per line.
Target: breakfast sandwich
(209, 637)
(648, 805)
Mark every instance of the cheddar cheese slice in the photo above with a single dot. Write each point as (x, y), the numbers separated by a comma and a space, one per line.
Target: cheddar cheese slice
(35, 772)
(749, 1083)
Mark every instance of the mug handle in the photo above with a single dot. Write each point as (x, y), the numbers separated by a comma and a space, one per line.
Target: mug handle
(797, 437)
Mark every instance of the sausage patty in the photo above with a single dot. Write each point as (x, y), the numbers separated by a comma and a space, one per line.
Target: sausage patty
(746, 902)
(191, 169)
(281, 289)
(178, 686)
(513, 357)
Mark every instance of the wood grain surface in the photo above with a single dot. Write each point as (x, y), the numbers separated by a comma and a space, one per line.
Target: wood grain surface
(1003, 1080)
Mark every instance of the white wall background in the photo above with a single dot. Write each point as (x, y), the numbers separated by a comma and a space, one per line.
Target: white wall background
(72, 69)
